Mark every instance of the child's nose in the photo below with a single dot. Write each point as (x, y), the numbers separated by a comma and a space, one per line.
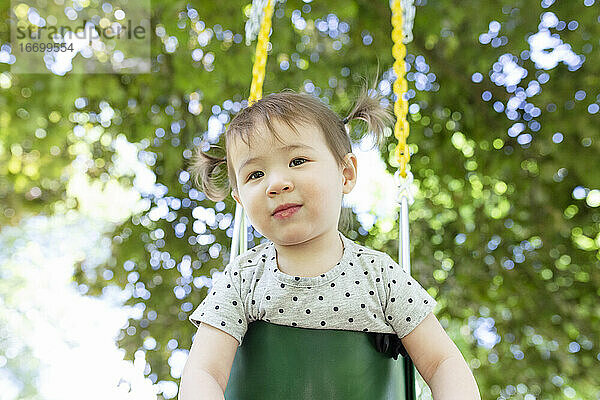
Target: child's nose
(280, 184)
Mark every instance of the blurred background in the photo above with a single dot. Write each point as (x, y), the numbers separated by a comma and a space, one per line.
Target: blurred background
(106, 247)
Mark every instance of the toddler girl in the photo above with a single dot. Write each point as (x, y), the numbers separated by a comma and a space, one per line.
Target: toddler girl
(289, 162)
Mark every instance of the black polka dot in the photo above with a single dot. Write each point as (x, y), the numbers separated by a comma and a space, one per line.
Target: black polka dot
(239, 321)
(347, 294)
(371, 292)
(282, 285)
(362, 306)
(410, 300)
(295, 298)
(281, 310)
(320, 297)
(426, 302)
(350, 319)
(234, 303)
(322, 323)
(294, 324)
(216, 307)
(389, 317)
(307, 311)
(366, 272)
(253, 302)
(235, 273)
(372, 261)
(268, 297)
(391, 267)
(393, 299)
(408, 319)
(222, 323)
(358, 255)
(332, 284)
(335, 308)
(374, 315)
(351, 264)
(343, 273)
(409, 283)
(323, 276)
(297, 278)
(377, 280)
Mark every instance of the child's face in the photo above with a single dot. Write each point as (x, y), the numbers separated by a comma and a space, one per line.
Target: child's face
(306, 175)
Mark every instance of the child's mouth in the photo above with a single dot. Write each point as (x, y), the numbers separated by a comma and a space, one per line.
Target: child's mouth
(288, 212)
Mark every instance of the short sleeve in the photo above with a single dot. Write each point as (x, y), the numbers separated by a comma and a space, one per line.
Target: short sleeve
(407, 302)
(223, 307)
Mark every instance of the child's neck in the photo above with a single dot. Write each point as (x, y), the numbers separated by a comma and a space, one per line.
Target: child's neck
(311, 258)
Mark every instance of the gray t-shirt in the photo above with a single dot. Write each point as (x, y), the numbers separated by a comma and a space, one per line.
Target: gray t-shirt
(365, 291)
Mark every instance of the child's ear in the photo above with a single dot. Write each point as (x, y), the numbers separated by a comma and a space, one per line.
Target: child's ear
(235, 196)
(349, 172)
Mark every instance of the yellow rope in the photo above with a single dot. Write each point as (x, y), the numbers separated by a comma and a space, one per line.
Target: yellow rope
(401, 129)
(260, 62)
(258, 77)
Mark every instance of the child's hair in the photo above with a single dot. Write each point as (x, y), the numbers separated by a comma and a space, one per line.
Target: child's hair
(289, 107)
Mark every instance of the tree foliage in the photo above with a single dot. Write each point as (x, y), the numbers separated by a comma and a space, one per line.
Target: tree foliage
(505, 226)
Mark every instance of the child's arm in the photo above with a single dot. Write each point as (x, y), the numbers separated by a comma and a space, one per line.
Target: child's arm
(208, 366)
(440, 362)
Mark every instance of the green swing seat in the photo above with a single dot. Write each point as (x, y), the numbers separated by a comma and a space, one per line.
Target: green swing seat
(278, 362)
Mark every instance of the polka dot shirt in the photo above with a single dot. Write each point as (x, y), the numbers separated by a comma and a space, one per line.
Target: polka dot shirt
(365, 291)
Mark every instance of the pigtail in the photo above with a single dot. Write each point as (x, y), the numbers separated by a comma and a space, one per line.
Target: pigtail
(205, 171)
(369, 109)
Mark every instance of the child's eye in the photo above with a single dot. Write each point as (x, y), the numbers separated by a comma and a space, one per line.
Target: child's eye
(299, 158)
(256, 172)
(252, 174)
